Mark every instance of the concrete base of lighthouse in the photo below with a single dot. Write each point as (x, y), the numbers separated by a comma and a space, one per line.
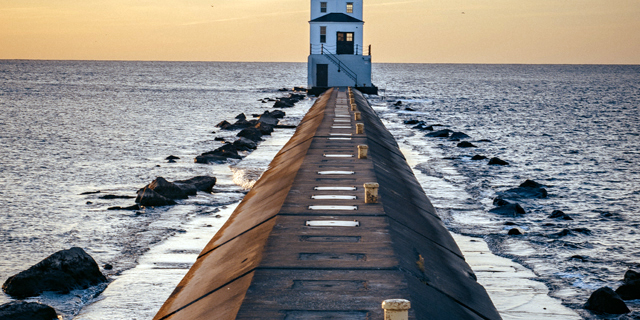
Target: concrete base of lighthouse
(326, 71)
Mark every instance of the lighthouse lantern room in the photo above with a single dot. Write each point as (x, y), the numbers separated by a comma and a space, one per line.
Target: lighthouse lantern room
(338, 57)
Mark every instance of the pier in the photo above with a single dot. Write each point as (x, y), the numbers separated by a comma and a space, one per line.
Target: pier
(309, 242)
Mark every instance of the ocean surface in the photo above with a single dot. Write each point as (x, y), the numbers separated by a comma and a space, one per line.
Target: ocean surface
(71, 127)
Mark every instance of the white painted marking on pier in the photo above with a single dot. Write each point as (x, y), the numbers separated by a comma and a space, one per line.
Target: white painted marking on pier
(342, 115)
(340, 134)
(332, 223)
(336, 172)
(341, 127)
(341, 120)
(335, 188)
(343, 208)
(337, 155)
(332, 197)
(339, 138)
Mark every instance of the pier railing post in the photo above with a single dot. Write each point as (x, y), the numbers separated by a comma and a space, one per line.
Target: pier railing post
(362, 151)
(371, 195)
(396, 309)
(356, 116)
(359, 128)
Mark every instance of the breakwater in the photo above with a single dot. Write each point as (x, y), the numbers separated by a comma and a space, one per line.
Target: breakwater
(303, 242)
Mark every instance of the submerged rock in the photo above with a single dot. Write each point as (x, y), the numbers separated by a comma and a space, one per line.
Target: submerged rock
(630, 290)
(458, 136)
(133, 207)
(515, 232)
(466, 144)
(22, 310)
(111, 197)
(478, 157)
(149, 198)
(528, 189)
(221, 154)
(62, 271)
(172, 157)
(558, 214)
(605, 300)
(631, 275)
(245, 144)
(200, 183)
(251, 134)
(444, 133)
(498, 161)
(412, 121)
(505, 207)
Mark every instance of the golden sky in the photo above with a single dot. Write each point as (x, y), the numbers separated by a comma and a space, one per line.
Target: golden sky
(421, 31)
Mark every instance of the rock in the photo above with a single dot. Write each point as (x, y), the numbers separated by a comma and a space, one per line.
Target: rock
(528, 189)
(245, 144)
(484, 140)
(278, 114)
(509, 209)
(251, 134)
(398, 103)
(285, 126)
(631, 275)
(133, 207)
(578, 257)
(299, 89)
(221, 154)
(200, 183)
(90, 192)
(172, 157)
(444, 133)
(499, 202)
(412, 121)
(478, 157)
(562, 233)
(218, 139)
(498, 161)
(107, 266)
(167, 189)
(409, 109)
(241, 116)
(458, 136)
(223, 125)
(171, 161)
(509, 223)
(288, 102)
(149, 198)
(466, 144)
(22, 310)
(283, 89)
(629, 290)
(558, 214)
(605, 300)
(265, 129)
(515, 232)
(111, 197)
(62, 271)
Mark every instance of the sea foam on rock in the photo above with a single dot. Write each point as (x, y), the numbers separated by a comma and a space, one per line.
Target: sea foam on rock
(62, 271)
(22, 310)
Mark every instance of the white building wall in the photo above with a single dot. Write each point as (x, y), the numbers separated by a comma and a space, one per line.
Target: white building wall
(360, 65)
(336, 6)
(332, 29)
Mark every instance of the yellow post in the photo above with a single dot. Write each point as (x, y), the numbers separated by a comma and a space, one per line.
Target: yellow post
(371, 193)
(362, 151)
(359, 128)
(396, 309)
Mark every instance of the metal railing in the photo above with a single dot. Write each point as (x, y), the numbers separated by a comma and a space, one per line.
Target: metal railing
(318, 49)
(341, 66)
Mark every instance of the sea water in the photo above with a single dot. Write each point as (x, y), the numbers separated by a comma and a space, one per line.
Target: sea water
(67, 128)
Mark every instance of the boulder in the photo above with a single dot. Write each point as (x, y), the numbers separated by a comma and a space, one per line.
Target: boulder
(245, 144)
(241, 116)
(631, 275)
(200, 183)
(412, 121)
(218, 139)
(605, 300)
(409, 109)
(278, 114)
(630, 289)
(228, 150)
(558, 214)
(466, 144)
(507, 208)
(267, 118)
(398, 103)
(133, 207)
(172, 157)
(62, 271)
(21, 310)
(515, 232)
(112, 196)
(458, 136)
(149, 198)
(498, 161)
(223, 125)
(251, 134)
(444, 133)
(265, 129)
(167, 189)
(478, 157)
(527, 189)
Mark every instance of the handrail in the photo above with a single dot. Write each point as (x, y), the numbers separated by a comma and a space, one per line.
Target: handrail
(358, 50)
(340, 65)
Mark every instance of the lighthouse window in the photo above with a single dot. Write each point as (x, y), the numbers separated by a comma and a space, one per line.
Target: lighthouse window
(349, 36)
(323, 34)
(323, 7)
(349, 7)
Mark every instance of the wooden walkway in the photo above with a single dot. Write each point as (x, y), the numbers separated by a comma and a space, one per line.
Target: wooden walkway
(304, 245)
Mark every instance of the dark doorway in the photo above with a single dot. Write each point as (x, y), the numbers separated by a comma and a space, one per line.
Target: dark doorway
(344, 43)
(322, 75)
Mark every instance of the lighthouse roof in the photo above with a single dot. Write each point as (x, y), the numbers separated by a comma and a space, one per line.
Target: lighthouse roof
(336, 17)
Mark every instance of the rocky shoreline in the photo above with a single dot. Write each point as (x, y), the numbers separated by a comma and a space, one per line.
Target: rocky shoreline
(74, 269)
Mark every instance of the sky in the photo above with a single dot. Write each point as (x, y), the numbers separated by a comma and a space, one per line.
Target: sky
(400, 31)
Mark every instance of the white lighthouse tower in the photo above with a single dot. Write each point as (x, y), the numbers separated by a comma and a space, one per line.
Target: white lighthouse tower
(338, 56)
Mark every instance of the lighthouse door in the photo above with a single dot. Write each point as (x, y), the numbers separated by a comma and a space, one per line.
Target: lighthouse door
(344, 43)
(322, 75)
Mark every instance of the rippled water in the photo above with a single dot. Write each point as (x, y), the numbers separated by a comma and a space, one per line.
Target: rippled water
(71, 127)
(574, 129)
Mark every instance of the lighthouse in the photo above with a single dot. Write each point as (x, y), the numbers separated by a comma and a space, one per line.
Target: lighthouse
(338, 56)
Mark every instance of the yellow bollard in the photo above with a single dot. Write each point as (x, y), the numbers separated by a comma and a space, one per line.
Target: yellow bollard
(396, 309)
(371, 192)
(356, 116)
(362, 151)
(359, 128)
